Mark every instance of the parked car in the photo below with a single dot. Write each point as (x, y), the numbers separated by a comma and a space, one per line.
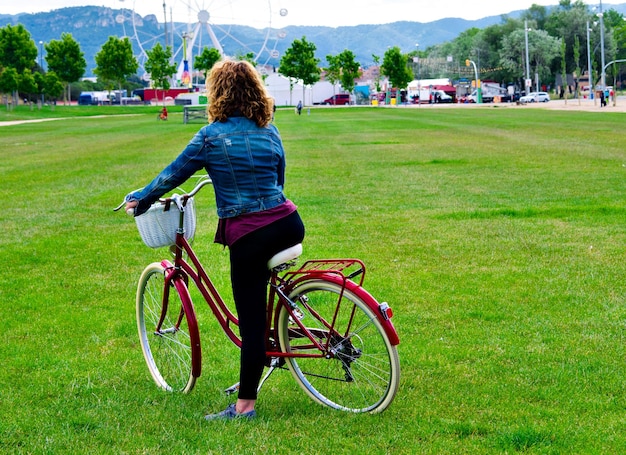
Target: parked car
(338, 100)
(532, 97)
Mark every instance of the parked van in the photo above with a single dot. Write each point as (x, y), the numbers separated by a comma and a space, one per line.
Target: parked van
(439, 96)
(338, 100)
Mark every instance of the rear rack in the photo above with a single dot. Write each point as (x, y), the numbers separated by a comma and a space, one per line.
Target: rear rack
(347, 269)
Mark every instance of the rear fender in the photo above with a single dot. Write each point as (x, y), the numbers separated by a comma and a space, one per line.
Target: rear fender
(365, 296)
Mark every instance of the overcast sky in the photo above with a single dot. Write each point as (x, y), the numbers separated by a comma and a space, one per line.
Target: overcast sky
(331, 13)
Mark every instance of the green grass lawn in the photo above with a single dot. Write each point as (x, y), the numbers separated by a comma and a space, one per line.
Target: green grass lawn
(496, 234)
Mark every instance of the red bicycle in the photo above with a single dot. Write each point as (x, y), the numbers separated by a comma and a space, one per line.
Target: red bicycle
(338, 342)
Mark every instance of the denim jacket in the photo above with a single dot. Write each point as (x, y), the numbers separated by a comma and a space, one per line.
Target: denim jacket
(245, 162)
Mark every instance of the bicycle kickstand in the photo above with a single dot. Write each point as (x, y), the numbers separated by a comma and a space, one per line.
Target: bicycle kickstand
(274, 363)
(232, 389)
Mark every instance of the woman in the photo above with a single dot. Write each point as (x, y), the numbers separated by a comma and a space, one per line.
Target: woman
(244, 156)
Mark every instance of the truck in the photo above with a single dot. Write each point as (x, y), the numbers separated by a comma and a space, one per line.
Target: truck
(429, 95)
(430, 91)
(93, 98)
(491, 92)
(101, 97)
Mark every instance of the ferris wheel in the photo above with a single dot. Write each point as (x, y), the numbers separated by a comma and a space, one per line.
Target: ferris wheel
(210, 23)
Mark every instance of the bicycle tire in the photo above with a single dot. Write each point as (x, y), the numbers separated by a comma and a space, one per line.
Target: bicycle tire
(169, 352)
(362, 372)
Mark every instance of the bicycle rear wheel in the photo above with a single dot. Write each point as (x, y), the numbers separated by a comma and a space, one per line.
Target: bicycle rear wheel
(167, 332)
(360, 371)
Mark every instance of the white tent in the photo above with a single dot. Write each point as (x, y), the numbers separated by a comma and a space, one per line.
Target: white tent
(278, 87)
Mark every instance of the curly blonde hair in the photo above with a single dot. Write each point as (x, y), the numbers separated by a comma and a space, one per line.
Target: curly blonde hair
(235, 87)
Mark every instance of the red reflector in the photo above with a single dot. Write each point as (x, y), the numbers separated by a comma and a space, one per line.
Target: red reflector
(385, 311)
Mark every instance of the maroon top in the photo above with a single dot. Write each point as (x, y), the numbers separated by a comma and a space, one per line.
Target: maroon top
(229, 230)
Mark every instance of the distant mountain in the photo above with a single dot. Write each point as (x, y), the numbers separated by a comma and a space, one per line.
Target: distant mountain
(91, 26)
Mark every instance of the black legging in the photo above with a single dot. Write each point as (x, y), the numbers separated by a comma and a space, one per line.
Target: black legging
(249, 277)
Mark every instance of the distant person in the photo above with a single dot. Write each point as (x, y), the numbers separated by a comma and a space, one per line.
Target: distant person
(602, 99)
(299, 107)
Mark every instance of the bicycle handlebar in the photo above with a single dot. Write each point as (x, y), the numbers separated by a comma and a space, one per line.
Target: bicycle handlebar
(204, 180)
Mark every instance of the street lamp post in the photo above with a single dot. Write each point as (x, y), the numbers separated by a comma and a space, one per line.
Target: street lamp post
(591, 95)
(41, 64)
(479, 95)
(603, 75)
(622, 60)
(527, 83)
(419, 77)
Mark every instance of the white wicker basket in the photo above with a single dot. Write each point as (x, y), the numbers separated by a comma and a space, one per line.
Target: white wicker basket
(157, 226)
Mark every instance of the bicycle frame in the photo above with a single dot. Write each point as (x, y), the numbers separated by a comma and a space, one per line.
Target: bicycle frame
(193, 269)
(183, 269)
(329, 270)
(177, 276)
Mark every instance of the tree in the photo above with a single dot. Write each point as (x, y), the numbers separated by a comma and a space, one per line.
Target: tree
(563, 71)
(511, 53)
(248, 57)
(396, 69)
(577, 68)
(569, 23)
(537, 15)
(350, 70)
(376, 60)
(463, 45)
(65, 58)
(26, 84)
(115, 61)
(53, 87)
(486, 50)
(206, 60)
(159, 68)
(543, 50)
(344, 69)
(8, 82)
(17, 49)
(333, 71)
(619, 35)
(40, 82)
(299, 62)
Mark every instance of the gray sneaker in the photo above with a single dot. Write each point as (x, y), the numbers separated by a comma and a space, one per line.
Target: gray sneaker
(230, 413)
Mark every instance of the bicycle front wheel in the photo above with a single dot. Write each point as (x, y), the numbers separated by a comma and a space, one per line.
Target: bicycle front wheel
(167, 332)
(359, 369)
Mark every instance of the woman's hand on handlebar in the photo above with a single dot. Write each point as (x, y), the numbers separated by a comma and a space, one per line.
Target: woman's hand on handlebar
(130, 207)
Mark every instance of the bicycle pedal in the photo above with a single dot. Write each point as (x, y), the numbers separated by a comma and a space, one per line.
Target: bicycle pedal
(232, 389)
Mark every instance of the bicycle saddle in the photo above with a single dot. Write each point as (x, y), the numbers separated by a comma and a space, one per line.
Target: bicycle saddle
(285, 256)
